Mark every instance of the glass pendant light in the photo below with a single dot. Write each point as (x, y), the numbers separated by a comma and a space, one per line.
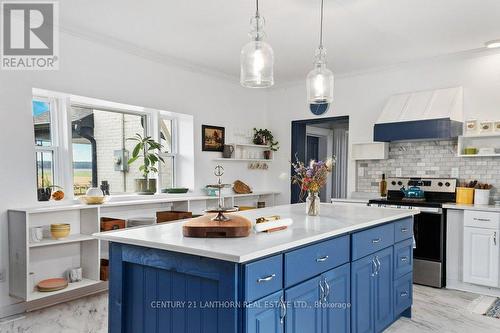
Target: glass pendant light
(257, 57)
(320, 80)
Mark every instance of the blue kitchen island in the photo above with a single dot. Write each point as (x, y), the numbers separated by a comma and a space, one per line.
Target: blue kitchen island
(347, 270)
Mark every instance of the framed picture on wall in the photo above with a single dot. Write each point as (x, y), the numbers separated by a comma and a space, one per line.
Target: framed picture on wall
(212, 138)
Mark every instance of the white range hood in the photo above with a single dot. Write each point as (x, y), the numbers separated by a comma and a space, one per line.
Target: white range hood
(422, 115)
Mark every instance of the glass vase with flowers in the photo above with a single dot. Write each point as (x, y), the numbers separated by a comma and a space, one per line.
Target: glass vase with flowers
(311, 178)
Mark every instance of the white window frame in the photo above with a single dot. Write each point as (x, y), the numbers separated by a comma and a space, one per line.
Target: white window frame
(54, 147)
(173, 150)
(61, 132)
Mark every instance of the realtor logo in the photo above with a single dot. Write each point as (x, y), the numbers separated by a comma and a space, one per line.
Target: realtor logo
(30, 36)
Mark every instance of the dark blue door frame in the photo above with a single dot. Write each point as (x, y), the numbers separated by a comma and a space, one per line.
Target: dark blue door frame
(299, 146)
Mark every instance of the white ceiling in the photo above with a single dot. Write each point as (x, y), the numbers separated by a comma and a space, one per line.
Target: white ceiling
(359, 34)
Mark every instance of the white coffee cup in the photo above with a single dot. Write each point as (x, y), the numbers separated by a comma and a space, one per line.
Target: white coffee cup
(36, 234)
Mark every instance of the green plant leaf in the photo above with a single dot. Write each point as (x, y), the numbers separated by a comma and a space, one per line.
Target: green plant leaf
(132, 160)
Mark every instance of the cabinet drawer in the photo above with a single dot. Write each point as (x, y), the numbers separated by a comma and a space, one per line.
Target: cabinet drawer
(403, 229)
(263, 277)
(482, 219)
(312, 260)
(403, 258)
(372, 240)
(403, 294)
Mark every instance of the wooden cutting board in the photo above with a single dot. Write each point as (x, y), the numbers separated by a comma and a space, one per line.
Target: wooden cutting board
(204, 227)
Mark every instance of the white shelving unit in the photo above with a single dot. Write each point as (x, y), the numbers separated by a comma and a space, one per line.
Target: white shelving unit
(31, 262)
(254, 149)
(479, 140)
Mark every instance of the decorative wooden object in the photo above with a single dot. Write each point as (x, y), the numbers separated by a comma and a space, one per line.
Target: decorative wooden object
(167, 216)
(206, 227)
(109, 223)
(241, 188)
(52, 284)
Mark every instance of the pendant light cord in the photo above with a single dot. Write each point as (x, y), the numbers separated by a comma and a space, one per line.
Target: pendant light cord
(320, 27)
(257, 8)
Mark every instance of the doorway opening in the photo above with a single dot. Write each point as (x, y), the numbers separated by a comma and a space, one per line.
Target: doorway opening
(318, 139)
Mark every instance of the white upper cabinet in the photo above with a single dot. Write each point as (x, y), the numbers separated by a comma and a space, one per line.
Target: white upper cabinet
(422, 105)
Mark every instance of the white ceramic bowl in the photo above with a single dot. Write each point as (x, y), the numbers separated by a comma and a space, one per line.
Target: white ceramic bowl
(94, 192)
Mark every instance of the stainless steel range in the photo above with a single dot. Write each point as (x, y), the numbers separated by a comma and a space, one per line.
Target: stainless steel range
(427, 195)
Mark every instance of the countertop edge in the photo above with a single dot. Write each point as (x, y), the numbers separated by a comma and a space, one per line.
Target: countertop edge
(256, 255)
(489, 208)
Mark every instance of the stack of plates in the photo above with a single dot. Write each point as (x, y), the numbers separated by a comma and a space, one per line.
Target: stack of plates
(52, 284)
(59, 231)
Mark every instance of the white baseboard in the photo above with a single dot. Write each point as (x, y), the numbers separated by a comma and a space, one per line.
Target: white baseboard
(472, 288)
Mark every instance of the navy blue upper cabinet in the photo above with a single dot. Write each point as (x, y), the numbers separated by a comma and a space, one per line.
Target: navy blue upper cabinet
(303, 310)
(336, 313)
(265, 315)
(362, 295)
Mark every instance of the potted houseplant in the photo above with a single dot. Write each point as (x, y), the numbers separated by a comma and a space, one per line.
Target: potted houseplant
(265, 137)
(148, 150)
(311, 179)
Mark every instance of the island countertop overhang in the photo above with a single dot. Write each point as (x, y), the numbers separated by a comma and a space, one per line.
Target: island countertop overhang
(333, 221)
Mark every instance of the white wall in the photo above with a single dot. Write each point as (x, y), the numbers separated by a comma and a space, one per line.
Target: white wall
(363, 96)
(95, 70)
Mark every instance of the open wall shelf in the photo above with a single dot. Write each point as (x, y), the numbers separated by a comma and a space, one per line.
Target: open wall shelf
(480, 140)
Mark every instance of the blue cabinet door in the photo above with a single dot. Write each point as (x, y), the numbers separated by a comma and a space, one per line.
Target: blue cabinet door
(384, 281)
(336, 313)
(264, 315)
(362, 295)
(303, 307)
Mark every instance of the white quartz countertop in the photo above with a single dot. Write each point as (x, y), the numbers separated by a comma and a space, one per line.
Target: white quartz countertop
(333, 221)
(490, 208)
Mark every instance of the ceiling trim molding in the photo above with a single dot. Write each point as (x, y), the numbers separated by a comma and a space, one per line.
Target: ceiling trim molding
(467, 54)
(147, 54)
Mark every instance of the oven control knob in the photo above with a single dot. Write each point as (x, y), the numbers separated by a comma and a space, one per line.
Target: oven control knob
(393, 182)
(400, 183)
(440, 184)
(447, 184)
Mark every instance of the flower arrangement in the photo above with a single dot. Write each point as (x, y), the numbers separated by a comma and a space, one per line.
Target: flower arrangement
(311, 179)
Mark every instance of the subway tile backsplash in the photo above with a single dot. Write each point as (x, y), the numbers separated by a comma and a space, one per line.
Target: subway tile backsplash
(429, 159)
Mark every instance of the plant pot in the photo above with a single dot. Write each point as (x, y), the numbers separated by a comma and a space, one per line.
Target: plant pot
(145, 186)
(267, 154)
(44, 194)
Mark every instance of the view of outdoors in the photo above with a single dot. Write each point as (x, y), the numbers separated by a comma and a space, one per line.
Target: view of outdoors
(100, 148)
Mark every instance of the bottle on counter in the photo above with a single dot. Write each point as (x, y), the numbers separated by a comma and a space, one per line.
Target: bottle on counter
(383, 187)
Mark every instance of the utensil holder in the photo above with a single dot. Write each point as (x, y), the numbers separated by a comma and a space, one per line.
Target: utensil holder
(465, 195)
(482, 197)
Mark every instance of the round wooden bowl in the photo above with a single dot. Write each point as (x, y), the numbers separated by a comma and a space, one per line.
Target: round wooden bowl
(59, 231)
(92, 200)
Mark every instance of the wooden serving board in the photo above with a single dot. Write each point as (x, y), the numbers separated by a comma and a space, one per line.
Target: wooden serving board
(52, 284)
(204, 227)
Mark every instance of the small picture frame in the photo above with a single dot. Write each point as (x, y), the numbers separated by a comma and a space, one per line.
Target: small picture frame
(212, 138)
(471, 126)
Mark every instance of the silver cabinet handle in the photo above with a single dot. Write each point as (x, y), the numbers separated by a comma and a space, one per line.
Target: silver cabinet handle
(282, 310)
(322, 259)
(378, 264)
(374, 267)
(404, 230)
(327, 291)
(321, 291)
(495, 238)
(482, 220)
(404, 259)
(266, 279)
(376, 240)
(404, 294)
